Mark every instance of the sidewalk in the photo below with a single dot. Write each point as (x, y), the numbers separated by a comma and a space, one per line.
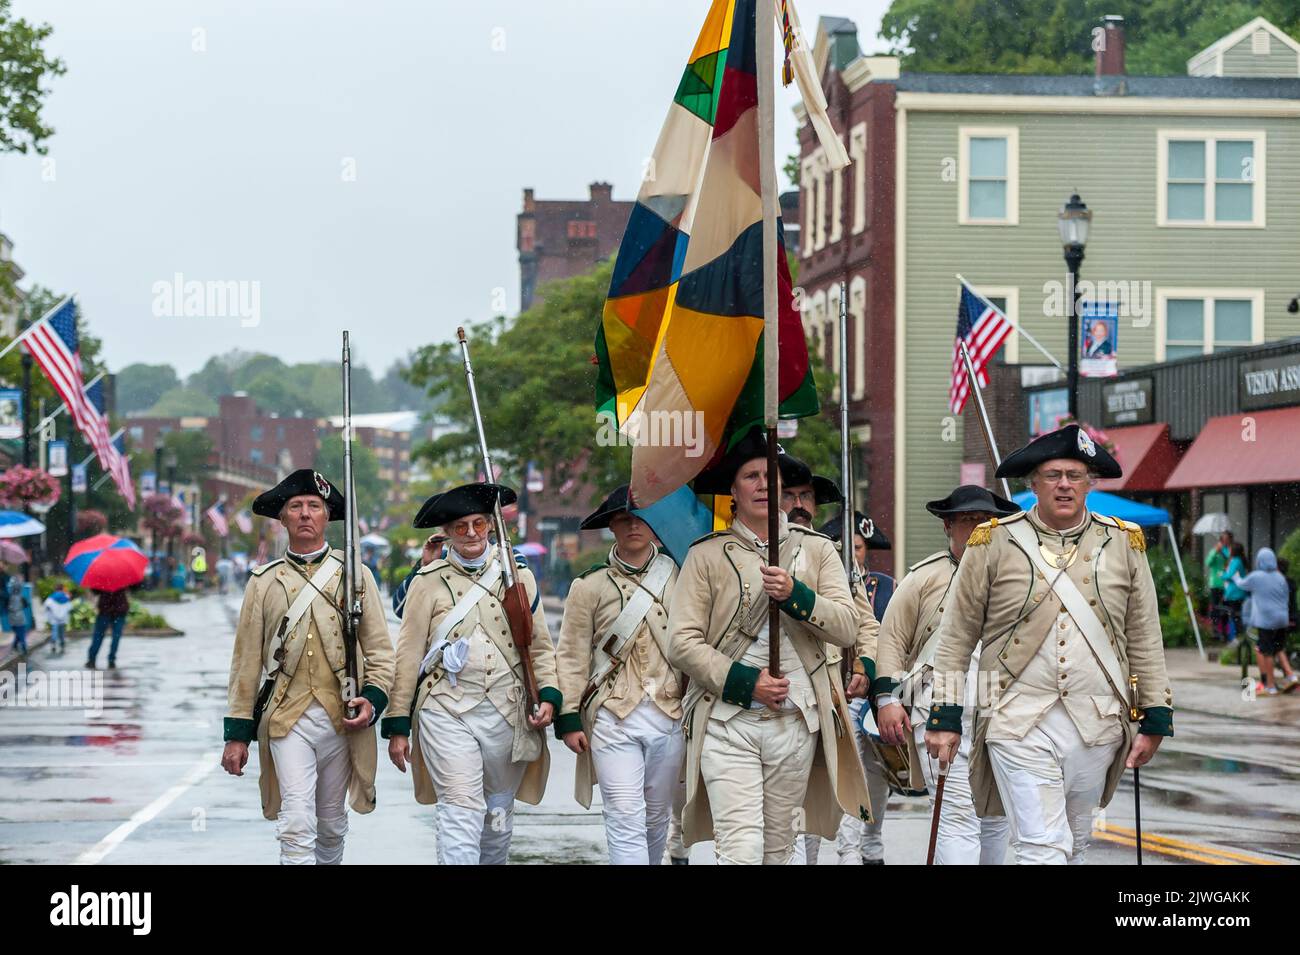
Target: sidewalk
(1216, 690)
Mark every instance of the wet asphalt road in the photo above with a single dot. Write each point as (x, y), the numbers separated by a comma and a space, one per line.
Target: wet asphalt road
(140, 782)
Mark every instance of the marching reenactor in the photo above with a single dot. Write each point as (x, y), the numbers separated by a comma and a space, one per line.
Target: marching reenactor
(909, 638)
(754, 779)
(622, 699)
(460, 711)
(313, 752)
(1062, 603)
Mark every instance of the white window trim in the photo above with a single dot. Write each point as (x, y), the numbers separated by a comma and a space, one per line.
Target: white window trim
(1012, 136)
(1208, 295)
(1258, 198)
(858, 152)
(1012, 294)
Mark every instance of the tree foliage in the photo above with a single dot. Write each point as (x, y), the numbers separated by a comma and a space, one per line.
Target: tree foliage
(25, 70)
(140, 386)
(1055, 36)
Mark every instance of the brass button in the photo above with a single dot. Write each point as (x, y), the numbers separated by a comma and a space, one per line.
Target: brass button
(1087, 557)
(1015, 640)
(1063, 624)
(429, 685)
(1087, 580)
(1065, 693)
(1037, 597)
(1092, 603)
(940, 608)
(1062, 676)
(309, 636)
(1062, 659)
(309, 653)
(1062, 643)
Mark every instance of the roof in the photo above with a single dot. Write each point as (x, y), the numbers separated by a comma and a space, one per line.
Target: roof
(1226, 455)
(1172, 87)
(837, 41)
(1239, 34)
(1145, 453)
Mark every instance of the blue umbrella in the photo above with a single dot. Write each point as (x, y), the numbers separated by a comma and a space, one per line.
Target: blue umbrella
(18, 524)
(1111, 505)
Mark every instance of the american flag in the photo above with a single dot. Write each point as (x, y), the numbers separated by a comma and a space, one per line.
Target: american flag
(217, 515)
(983, 329)
(111, 453)
(53, 344)
(244, 521)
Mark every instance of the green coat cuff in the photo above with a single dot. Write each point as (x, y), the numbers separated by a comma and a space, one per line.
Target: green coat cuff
(549, 694)
(944, 716)
(391, 726)
(882, 684)
(567, 723)
(1157, 721)
(739, 688)
(378, 699)
(800, 602)
(238, 731)
(869, 665)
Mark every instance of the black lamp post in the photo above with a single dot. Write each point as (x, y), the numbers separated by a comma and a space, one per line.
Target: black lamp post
(171, 490)
(157, 489)
(27, 398)
(1072, 222)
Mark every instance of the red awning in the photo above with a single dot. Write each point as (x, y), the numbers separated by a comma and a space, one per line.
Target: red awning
(1251, 447)
(1146, 454)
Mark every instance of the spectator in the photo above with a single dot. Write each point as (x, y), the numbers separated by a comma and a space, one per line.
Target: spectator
(58, 608)
(113, 608)
(1269, 616)
(16, 611)
(1233, 595)
(1216, 561)
(225, 573)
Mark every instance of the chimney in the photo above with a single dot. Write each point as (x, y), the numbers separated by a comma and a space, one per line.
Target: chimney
(601, 192)
(529, 205)
(1110, 47)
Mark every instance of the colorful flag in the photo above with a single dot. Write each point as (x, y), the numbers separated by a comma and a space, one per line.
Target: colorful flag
(983, 329)
(679, 347)
(217, 515)
(244, 521)
(54, 345)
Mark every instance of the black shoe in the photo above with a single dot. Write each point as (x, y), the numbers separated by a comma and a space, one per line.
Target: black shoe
(112, 664)
(677, 861)
(873, 861)
(90, 664)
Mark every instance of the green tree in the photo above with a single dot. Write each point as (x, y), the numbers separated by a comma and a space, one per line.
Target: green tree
(140, 386)
(22, 94)
(1055, 36)
(182, 402)
(371, 489)
(192, 449)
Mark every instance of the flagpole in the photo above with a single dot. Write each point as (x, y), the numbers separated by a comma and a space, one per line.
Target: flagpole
(64, 407)
(764, 37)
(1016, 325)
(989, 441)
(32, 327)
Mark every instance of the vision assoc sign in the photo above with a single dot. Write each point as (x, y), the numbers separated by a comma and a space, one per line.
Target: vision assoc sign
(1270, 382)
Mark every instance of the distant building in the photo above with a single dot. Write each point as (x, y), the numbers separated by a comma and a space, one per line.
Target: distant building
(388, 434)
(10, 308)
(562, 238)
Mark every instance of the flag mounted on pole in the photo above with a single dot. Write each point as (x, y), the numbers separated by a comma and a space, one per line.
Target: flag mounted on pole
(983, 329)
(680, 345)
(109, 450)
(217, 515)
(54, 345)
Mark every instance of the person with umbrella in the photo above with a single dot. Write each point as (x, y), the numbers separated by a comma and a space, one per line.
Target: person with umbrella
(16, 611)
(106, 565)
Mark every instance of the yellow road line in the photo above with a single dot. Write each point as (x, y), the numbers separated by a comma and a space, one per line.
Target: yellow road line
(1161, 850)
(1181, 848)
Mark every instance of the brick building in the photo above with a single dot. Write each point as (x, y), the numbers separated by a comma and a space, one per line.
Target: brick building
(562, 238)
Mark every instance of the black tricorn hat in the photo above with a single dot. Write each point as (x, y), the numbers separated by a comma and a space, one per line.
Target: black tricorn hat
(795, 472)
(826, 491)
(970, 498)
(303, 481)
(718, 479)
(618, 502)
(462, 501)
(863, 525)
(1069, 442)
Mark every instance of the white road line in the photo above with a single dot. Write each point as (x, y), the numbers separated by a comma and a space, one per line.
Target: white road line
(119, 835)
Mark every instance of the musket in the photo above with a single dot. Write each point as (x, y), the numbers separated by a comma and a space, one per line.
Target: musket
(846, 471)
(1134, 715)
(515, 598)
(352, 591)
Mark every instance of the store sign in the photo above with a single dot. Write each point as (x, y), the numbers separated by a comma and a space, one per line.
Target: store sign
(1127, 402)
(1269, 382)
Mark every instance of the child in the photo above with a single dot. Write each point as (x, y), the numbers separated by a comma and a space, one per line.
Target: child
(58, 608)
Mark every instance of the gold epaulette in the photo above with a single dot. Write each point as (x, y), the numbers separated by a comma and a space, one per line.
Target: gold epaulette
(982, 534)
(1136, 538)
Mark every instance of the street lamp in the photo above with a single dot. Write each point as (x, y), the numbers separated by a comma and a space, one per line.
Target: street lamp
(1072, 222)
(157, 488)
(170, 464)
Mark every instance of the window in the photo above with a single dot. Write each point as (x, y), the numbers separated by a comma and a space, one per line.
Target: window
(279, 432)
(989, 175)
(1204, 321)
(137, 435)
(255, 432)
(255, 455)
(1006, 299)
(1211, 178)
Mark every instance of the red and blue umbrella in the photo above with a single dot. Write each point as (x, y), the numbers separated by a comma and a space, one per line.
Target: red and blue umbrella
(105, 562)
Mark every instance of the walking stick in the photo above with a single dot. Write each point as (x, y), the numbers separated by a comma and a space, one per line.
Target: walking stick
(938, 807)
(1137, 781)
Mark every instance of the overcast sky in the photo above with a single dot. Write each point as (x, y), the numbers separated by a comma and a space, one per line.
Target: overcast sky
(361, 162)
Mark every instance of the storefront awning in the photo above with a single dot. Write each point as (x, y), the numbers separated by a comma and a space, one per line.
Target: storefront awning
(1250, 447)
(1147, 456)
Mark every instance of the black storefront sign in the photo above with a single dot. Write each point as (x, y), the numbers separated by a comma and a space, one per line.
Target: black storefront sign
(1269, 382)
(1127, 402)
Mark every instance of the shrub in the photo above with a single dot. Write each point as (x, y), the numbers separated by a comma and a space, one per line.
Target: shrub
(45, 586)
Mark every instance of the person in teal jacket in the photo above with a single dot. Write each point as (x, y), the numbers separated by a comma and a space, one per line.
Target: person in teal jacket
(1234, 596)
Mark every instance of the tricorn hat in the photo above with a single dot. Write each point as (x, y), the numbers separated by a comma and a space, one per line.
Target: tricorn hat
(478, 498)
(618, 502)
(863, 525)
(795, 472)
(718, 479)
(303, 481)
(971, 498)
(1069, 442)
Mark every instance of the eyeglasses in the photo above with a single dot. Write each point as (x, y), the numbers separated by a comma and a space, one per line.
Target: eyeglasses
(1054, 477)
(478, 525)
